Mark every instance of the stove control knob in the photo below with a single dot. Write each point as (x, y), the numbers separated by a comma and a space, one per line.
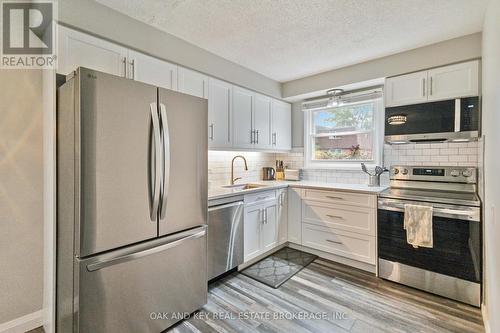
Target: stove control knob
(467, 173)
(395, 171)
(455, 173)
(404, 171)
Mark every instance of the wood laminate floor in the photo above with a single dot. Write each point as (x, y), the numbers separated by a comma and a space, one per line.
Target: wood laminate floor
(340, 298)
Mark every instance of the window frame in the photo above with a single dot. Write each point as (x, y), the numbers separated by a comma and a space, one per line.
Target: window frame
(378, 139)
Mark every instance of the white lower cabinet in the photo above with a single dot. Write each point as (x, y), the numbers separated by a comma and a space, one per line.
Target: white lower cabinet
(260, 227)
(350, 245)
(336, 222)
(294, 227)
(252, 230)
(282, 215)
(269, 231)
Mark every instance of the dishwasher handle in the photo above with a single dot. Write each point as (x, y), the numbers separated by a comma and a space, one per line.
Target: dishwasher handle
(232, 204)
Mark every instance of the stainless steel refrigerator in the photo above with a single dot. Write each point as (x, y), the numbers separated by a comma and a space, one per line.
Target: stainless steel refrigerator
(131, 205)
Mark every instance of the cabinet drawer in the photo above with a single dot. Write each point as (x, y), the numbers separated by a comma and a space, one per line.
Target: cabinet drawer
(344, 217)
(260, 196)
(339, 197)
(342, 243)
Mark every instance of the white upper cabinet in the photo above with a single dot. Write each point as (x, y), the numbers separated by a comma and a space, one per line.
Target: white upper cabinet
(281, 136)
(243, 132)
(237, 118)
(262, 121)
(448, 82)
(219, 114)
(460, 80)
(406, 89)
(151, 70)
(77, 49)
(192, 83)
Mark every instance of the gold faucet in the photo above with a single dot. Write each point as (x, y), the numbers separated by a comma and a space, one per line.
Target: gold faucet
(232, 168)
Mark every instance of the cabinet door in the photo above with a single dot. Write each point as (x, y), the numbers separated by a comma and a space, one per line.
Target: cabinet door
(269, 232)
(460, 80)
(219, 114)
(151, 70)
(193, 83)
(281, 136)
(77, 49)
(406, 89)
(262, 121)
(252, 228)
(282, 216)
(243, 136)
(295, 215)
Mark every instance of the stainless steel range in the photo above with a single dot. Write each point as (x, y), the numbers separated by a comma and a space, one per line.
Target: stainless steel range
(452, 267)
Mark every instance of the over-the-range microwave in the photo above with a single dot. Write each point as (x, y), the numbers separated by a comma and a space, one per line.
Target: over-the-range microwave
(454, 120)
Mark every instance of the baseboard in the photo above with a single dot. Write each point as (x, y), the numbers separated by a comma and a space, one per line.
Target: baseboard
(23, 324)
(486, 322)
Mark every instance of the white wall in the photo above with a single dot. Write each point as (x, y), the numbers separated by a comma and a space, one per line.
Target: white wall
(89, 16)
(453, 50)
(21, 196)
(491, 124)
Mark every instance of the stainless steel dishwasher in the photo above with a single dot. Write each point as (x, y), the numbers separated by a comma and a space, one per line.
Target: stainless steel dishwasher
(225, 235)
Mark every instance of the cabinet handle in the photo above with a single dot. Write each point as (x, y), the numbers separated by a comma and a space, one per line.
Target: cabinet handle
(431, 85)
(132, 68)
(274, 138)
(335, 216)
(212, 131)
(257, 133)
(334, 242)
(252, 134)
(336, 198)
(124, 62)
(423, 87)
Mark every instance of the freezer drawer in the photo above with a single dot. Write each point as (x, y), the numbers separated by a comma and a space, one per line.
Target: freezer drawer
(225, 238)
(123, 291)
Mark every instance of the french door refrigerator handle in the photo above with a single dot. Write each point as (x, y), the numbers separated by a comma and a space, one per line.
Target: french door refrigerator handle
(166, 159)
(157, 163)
(129, 257)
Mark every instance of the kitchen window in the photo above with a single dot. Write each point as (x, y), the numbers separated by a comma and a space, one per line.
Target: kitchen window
(344, 134)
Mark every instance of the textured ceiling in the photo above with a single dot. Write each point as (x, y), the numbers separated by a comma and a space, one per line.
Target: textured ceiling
(289, 39)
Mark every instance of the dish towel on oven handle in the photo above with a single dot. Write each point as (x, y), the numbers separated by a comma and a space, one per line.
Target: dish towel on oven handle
(418, 225)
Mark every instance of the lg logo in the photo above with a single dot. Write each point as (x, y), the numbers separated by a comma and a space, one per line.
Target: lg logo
(27, 27)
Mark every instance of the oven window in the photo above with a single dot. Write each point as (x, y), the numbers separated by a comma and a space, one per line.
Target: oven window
(456, 251)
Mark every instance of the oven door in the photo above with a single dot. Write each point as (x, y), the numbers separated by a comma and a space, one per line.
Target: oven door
(452, 268)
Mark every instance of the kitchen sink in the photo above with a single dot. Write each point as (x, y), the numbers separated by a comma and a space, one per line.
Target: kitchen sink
(241, 187)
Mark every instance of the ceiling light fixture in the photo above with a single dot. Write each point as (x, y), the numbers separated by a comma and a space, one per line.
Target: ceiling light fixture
(335, 97)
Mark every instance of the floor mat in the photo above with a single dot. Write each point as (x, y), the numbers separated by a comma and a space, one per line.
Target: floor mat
(280, 266)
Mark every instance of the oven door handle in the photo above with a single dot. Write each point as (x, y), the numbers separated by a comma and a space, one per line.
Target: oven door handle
(472, 214)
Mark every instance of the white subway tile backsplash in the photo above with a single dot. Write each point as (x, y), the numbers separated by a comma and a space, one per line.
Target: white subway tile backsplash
(435, 154)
